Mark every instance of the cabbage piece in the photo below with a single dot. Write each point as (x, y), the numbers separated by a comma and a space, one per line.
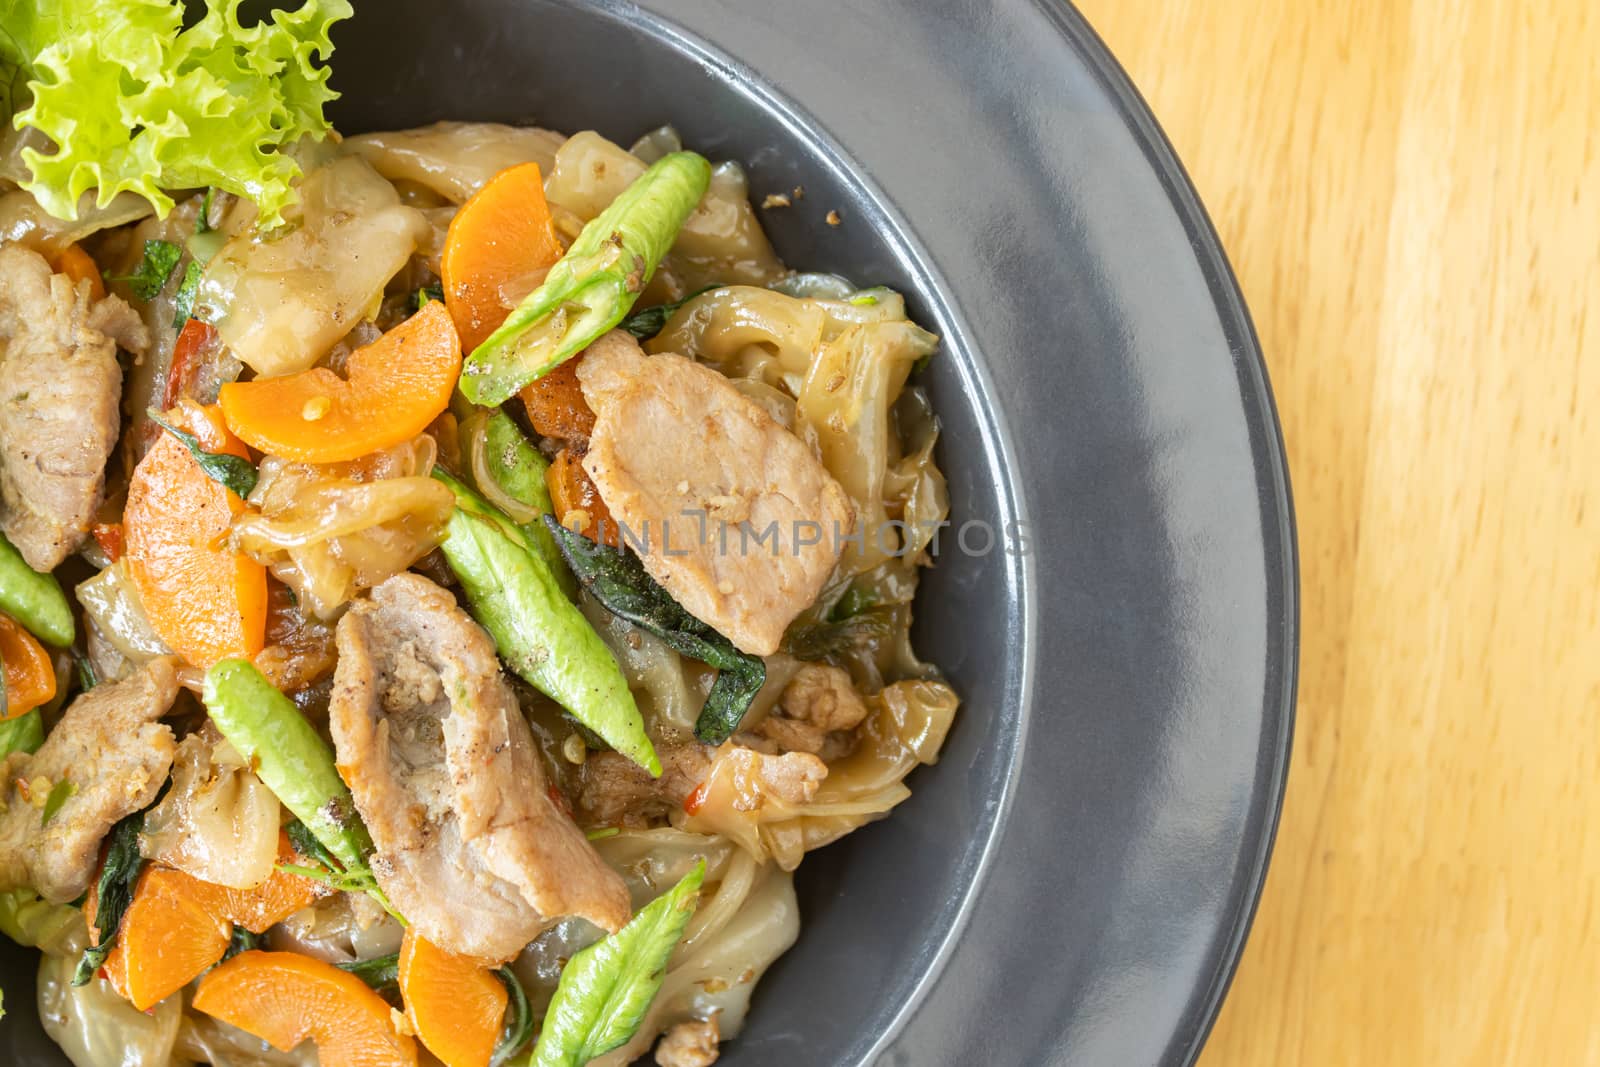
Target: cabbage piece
(848, 399)
(217, 821)
(33, 922)
(112, 603)
(456, 159)
(97, 1028)
(207, 1039)
(750, 332)
(331, 530)
(341, 928)
(281, 301)
(135, 103)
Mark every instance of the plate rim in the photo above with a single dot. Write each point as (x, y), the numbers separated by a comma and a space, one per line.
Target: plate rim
(1234, 312)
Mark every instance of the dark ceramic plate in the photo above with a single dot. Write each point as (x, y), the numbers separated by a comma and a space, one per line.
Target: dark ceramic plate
(1074, 880)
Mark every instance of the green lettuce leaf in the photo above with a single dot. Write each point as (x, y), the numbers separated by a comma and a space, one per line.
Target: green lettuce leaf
(136, 103)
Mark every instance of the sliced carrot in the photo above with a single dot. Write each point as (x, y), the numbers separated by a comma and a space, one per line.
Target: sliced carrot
(556, 406)
(499, 247)
(572, 493)
(168, 937)
(285, 998)
(206, 601)
(78, 265)
(395, 387)
(176, 926)
(30, 678)
(456, 1005)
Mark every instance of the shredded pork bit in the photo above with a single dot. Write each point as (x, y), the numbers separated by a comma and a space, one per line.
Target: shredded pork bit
(692, 1043)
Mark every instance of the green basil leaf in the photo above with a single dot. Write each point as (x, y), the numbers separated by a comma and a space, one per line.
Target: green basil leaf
(231, 472)
(183, 303)
(518, 1029)
(606, 989)
(619, 581)
(160, 259)
(117, 879)
(242, 940)
(427, 293)
(381, 972)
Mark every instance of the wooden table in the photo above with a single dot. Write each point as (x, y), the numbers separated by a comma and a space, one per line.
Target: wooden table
(1410, 193)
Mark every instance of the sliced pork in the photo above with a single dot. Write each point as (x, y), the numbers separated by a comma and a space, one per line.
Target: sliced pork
(471, 847)
(114, 755)
(731, 512)
(59, 389)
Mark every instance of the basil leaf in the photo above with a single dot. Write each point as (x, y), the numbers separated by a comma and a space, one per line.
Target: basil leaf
(327, 869)
(647, 322)
(231, 472)
(519, 1019)
(381, 972)
(183, 303)
(88, 677)
(833, 637)
(427, 293)
(242, 940)
(619, 581)
(160, 259)
(606, 988)
(115, 892)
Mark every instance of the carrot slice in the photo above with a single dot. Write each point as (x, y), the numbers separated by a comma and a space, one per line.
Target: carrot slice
(176, 926)
(30, 678)
(206, 601)
(572, 492)
(454, 1003)
(168, 937)
(78, 265)
(556, 406)
(395, 387)
(284, 999)
(498, 249)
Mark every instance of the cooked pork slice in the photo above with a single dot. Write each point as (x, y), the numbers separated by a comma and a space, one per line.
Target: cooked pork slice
(470, 846)
(59, 389)
(733, 514)
(689, 1044)
(114, 756)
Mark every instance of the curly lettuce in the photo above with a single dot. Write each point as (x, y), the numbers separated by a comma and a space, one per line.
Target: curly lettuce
(136, 103)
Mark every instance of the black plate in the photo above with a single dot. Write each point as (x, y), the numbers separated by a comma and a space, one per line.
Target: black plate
(1074, 881)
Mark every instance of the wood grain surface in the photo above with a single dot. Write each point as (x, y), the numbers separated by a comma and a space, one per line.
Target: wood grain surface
(1410, 193)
